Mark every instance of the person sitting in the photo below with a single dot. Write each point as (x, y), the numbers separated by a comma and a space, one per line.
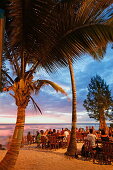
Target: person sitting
(46, 132)
(104, 137)
(66, 132)
(54, 132)
(91, 137)
(62, 131)
(38, 139)
(42, 133)
(66, 138)
(50, 132)
(58, 133)
(87, 129)
(29, 138)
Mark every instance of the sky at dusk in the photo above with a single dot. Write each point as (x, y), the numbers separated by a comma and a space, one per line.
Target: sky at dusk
(55, 106)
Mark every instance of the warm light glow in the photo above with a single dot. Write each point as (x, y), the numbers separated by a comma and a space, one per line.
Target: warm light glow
(7, 120)
(34, 119)
(43, 119)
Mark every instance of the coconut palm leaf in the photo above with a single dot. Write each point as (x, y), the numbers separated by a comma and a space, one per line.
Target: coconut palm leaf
(39, 83)
(35, 105)
(7, 75)
(49, 33)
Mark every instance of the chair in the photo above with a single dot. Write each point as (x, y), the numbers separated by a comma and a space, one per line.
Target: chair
(61, 141)
(79, 137)
(107, 152)
(43, 142)
(66, 141)
(88, 150)
(53, 142)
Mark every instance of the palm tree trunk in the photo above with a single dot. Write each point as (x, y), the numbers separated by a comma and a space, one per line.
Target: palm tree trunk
(10, 158)
(72, 148)
(102, 121)
(1, 39)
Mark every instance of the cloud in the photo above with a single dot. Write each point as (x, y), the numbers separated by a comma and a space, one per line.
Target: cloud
(55, 106)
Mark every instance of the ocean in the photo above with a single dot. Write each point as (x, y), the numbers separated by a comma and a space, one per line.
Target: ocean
(6, 130)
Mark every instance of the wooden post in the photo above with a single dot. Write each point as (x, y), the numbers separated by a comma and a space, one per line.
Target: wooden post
(1, 41)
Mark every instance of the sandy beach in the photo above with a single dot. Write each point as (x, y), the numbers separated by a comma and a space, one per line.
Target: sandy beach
(32, 158)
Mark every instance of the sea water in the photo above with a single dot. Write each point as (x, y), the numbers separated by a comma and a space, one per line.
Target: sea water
(6, 130)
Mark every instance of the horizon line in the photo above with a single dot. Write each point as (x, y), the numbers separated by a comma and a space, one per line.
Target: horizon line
(52, 123)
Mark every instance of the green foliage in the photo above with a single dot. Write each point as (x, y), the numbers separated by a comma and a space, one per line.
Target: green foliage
(51, 31)
(99, 99)
(111, 125)
(4, 80)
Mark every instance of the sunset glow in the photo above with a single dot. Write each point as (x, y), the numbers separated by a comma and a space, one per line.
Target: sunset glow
(55, 106)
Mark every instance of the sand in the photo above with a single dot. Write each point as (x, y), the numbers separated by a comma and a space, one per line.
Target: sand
(32, 158)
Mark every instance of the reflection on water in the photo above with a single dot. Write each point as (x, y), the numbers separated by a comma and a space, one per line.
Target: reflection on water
(6, 130)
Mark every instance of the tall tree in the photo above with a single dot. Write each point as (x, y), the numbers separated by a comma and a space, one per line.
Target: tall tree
(3, 76)
(72, 148)
(2, 21)
(22, 90)
(46, 34)
(99, 102)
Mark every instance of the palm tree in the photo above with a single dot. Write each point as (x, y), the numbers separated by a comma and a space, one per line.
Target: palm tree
(22, 90)
(72, 148)
(1, 40)
(46, 34)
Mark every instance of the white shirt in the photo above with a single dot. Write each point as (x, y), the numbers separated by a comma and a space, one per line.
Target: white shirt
(92, 139)
(66, 133)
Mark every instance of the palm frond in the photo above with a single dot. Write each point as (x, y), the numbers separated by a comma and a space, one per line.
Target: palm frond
(39, 83)
(47, 31)
(92, 11)
(35, 105)
(65, 42)
(8, 76)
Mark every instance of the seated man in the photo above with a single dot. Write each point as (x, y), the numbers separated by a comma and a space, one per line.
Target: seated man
(91, 137)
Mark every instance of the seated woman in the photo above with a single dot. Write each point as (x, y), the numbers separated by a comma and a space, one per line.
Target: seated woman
(29, 138)
(104, 137)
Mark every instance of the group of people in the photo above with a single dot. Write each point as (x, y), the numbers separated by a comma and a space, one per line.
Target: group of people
(92, 137)
(89, 133)
(49, 132)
